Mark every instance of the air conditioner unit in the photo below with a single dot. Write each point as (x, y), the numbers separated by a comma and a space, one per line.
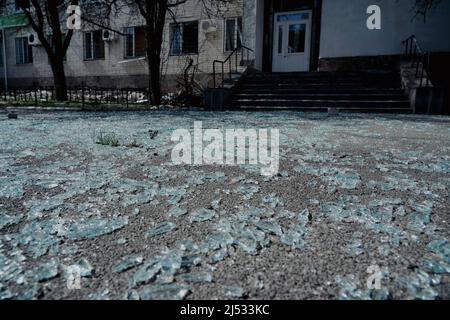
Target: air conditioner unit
(208, 26)
(108, 35)
(33, 39)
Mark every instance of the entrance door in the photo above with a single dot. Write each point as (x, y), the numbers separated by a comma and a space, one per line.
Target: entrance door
(292, 41)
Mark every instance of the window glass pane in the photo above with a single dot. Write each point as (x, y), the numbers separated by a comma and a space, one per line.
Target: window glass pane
(18, 51)
(99, 45)
(175, 33)
(230, 33)
(24, 52)
(88, 45)
(280, 39)
(129, 38)
(239, 33)
(29, 57)
(1, 50)
(139, 42)
(190, 37)
(293, 17)
(296, 38)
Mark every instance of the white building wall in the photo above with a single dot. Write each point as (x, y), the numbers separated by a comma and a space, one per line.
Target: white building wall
(344, 32)
(211, 47)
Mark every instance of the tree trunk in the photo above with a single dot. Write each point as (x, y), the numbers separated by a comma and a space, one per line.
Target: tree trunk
(59, 79)
(154, 12)
(154, 78)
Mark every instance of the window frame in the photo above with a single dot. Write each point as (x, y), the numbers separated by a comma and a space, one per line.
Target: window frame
(236, 32)
(92, 46)
(182, 24)
(126, 34)
(27, 48)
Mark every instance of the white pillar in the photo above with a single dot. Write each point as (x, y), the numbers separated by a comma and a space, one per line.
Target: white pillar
(253, 29)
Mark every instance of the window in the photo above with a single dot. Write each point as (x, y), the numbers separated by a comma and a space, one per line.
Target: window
(134, 42)
(17, 7)
(3, 7)
(1, 49)
(233, 34)
(94, 46)
(184, 38)
(297, 34)
(24, 52)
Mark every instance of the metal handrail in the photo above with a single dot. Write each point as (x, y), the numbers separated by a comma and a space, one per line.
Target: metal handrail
(419, 58)
(228, 60)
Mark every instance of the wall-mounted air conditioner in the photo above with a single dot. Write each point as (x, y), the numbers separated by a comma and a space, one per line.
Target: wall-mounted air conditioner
(108, 35)
(208, 26)
(33, 39)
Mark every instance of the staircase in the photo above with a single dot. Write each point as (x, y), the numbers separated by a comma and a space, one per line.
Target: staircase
(318, 91)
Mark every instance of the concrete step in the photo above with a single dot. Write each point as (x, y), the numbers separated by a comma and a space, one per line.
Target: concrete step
(320, 96)
(320, 109)
(323, 103)
(344, 91)
(318, 91)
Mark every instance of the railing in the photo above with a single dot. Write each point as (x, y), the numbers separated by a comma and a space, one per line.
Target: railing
(82, 95)
(232, 59)
(419, 59)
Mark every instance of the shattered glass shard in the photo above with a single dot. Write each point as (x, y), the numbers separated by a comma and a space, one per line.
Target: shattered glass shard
(440, 247)
(202, 215)
(7, 220)
(293, 239)
(354, 248)
(127, 263)
(47, 271)
(269, 227)
(419, 285)
(147, 272)
(233, 291)
(177, 212)
(86, 269)
(417, 221)
(219, 255)
(9, 269)
(94, 227)
(164, 292)
(196, 277)
(190, 261)
(160, 229)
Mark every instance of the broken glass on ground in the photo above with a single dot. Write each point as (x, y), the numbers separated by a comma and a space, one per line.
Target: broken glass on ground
(160, 229)
(128, 262)
(171, 291)
(202, 215)
(197, 277)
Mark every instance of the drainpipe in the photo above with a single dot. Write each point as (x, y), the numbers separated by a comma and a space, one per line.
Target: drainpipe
(5, 66)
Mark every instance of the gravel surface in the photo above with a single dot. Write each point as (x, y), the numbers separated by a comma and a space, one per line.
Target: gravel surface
(355, 197)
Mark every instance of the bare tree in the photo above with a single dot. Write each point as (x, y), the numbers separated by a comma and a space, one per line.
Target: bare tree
(48, 20)
(155, 13)
(46, 17)
(422, 7)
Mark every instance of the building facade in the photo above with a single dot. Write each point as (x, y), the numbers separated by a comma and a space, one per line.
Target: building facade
(285, 36)
(309, 35)
(118, 60)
